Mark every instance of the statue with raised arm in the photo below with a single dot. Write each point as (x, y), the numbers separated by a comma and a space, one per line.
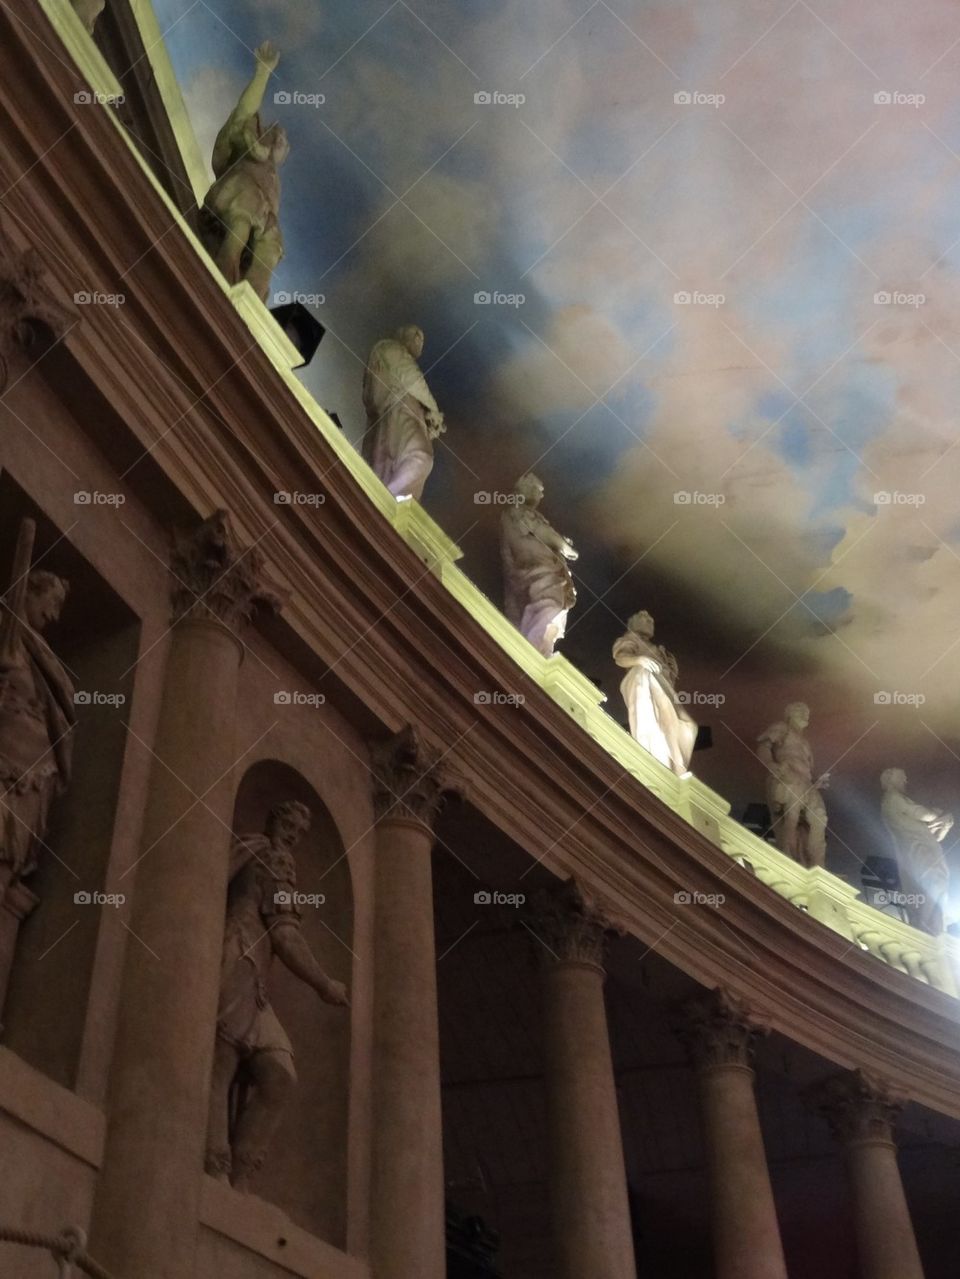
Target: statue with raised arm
(238, 221)
(917, 833)
(253, 1074)
(658, 720)
(538, 586)
(402, 416)
(37, 715)
(797, 810)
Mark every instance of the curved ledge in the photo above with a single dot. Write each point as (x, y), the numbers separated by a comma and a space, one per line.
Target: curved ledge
(372, 600)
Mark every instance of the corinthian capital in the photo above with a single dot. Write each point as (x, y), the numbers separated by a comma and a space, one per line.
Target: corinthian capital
(718, 1030)
(569, 927)
(857, 1106)
(215, 578)
(31, 314)
(408, 777)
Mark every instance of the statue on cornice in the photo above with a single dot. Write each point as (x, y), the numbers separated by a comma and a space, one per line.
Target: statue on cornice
(239, 219)
(538, 586)
(88, 11)
(253, 1074)
(917, 833)
(403, 419)
(37, 715)
(797, 809)
(658, 720)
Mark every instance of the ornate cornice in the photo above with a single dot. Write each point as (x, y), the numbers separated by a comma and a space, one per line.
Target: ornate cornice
(718, 1030)
(409, 780)
(215, 578)
(858, 1106)
(31, 314)
(568, 927)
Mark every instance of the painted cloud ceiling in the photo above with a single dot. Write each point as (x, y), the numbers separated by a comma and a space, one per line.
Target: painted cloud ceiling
(660, 252)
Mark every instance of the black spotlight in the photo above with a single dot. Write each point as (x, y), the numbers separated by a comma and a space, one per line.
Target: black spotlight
(302, 328)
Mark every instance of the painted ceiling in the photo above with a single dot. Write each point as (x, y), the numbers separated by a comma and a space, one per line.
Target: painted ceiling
(694, 263)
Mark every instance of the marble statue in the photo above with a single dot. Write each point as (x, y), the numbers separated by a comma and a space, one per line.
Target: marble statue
(238, 222)
(37, 715)
(793, 793)
(917, 833)
(538, 586)
(253, 1074)
(657, 719)
(88, 11)
(402, 416)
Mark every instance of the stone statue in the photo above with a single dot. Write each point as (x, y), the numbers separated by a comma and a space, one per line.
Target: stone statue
(238, 221)
(402, 416)
(88, 11)
(917, 834)
(538, 586)
(657, 720)
(796, 806)
(37, 715)
(253, 1074)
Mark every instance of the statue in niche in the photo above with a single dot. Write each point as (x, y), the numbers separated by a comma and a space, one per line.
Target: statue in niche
(403, 419)
(37, 715)
(239, 220)
(797, 810)
(88, 11)
(658, 721)
(253, 1074)
(538, 586)
(918, 833)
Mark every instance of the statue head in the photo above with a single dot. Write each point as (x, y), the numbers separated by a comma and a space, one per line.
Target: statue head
(411, 336)
(530, 489)
(797, 715)
(45, 598)
(286, 822)
(641, 624)
(893, 779)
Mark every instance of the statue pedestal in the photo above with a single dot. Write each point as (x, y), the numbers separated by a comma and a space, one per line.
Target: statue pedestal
(18, 902)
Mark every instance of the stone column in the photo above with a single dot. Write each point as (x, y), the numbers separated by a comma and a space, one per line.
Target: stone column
(147, 1201)
(588, 1183)
(862, 1113)
(720, 1035)
(407, 1192)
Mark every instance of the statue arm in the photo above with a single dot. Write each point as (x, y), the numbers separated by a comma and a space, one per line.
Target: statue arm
(291, 949)
(767, 744)
(234, 133)
(544, 532)
(251, 99)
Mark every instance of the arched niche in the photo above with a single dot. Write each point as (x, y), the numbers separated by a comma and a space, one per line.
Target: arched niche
(305, 1172)
(96, 640)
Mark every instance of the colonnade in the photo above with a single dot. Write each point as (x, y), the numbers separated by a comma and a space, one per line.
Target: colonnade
(148, 1196)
